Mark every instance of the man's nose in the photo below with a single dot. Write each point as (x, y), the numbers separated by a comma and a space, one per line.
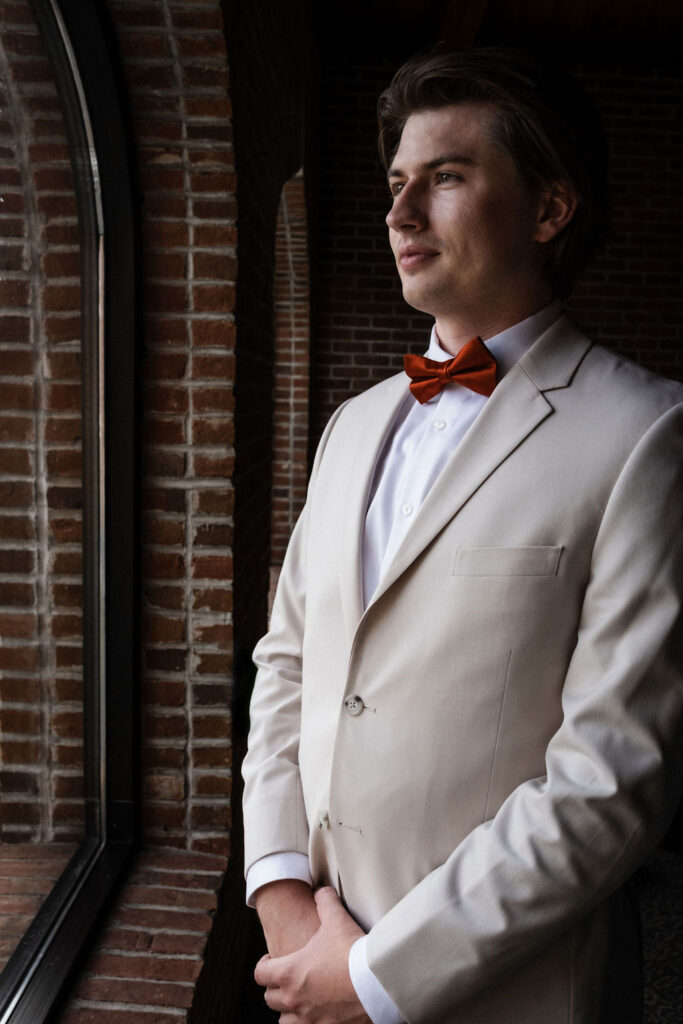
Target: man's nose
(407, 211)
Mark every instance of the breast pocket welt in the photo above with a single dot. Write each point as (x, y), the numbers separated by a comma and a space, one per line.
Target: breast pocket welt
(534, 560)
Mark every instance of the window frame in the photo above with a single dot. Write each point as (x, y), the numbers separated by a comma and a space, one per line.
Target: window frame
(79, 45)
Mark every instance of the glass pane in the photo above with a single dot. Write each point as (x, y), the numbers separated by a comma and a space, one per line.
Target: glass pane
(41, 675)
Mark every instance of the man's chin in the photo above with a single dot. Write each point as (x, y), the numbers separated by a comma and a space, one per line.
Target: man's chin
(417, 297)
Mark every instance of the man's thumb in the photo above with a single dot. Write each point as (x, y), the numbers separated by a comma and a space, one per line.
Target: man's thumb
(327, 902)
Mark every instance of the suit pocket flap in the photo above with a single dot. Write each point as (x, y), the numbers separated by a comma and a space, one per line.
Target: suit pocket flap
(528, 561)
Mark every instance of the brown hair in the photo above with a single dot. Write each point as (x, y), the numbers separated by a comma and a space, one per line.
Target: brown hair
(544, 120)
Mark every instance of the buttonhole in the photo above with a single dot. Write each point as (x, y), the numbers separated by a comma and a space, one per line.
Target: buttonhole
(352, 828)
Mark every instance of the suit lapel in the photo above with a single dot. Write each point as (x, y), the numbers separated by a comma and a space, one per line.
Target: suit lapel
(374, 413)
(514, 411)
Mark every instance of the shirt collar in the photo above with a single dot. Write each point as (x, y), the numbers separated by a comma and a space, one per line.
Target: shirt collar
(509, 346)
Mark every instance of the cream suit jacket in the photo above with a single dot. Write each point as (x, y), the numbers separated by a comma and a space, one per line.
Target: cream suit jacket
(511, 752)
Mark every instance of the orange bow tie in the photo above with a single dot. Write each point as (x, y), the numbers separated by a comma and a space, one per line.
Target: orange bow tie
(474, 367)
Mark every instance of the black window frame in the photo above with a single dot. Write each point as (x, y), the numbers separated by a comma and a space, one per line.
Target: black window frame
(79, 45)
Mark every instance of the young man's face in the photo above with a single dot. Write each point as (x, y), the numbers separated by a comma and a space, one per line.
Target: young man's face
(463, 226)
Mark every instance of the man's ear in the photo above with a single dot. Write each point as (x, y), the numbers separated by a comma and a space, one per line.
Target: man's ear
(557, 207)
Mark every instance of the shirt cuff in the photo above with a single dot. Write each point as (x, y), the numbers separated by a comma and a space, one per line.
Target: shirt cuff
(377, 1002)
(275, 868)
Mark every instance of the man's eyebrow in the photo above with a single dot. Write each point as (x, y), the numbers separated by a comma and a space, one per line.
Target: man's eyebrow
(446, 158)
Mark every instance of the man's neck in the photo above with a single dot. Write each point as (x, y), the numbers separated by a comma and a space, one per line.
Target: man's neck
(455, 331)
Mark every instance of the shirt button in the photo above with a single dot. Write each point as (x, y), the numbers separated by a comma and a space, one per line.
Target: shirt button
(439, 424)
(407, 509)
(324, 820)
(353, 705)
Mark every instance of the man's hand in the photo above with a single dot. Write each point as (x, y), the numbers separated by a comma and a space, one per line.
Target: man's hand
(313, 986)
(288, 915)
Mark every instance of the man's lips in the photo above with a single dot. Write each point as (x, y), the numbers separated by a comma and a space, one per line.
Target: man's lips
(412, 257)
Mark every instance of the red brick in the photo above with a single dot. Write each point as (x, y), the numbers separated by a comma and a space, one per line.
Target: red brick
(61, 264)
(213, 298)
(16, 428)
(144, 967)
(166, 366)
(164, 431)
(17, 595)
(61, 298)
(216, 430)
(17, 626)
(17, 362)
(67, 563)
(160, 462)
(165, 597)
(81, 1015)
(15, 396)
(221, 366)
(212, 599)
(160, 629)
(187, 945)
(66, 531)
(213, 465)
(19, 659)
(66, 625)
(17, 527)
(210, 816)
(64, 429)
(67, 724)
(166, 399)
(164, 692)
(212, 567)
(217, 633)
(163, 499)
(62, 328)
(215, 235)
(216, 501)
(64, 462)
(218, 756)
(166, 298)
(16, 462)
(167, 532)
(159, 896)
(164, 787)
(169, 726)
(219, 333)
(212, 726)
(163, 565)
(207, 107)
(212, 785)
(69, 690)
(19, 721)
(145, 993)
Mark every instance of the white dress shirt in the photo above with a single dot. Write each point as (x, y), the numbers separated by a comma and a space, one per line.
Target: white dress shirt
(419, 444)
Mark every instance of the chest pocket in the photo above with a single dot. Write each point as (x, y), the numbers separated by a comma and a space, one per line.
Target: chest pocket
(537, 560)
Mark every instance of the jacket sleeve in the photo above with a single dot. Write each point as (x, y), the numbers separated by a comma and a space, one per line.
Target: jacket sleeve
(274, 813)
(562, 842)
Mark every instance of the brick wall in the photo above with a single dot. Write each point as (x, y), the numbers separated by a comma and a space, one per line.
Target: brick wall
(291, 386)
(175, 70)
(41, 786)
(629, 300)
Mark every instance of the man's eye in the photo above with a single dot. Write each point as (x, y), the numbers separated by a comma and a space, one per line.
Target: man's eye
(395, 187)
(443, 177)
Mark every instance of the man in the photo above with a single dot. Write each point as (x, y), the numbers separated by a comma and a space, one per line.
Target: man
(465, 721)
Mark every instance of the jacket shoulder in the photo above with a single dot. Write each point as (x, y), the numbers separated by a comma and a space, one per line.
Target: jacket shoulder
(627, 393)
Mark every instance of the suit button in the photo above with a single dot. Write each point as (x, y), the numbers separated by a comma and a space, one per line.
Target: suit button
(324, 820)
(353, 705)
